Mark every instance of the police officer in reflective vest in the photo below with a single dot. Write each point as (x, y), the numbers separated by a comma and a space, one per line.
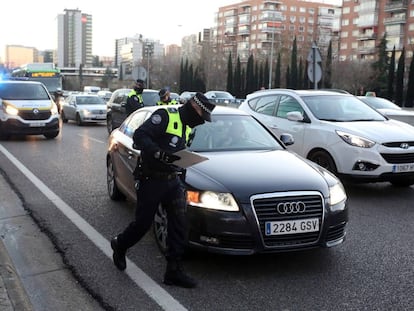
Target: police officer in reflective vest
(165, 98)
(134, 100)
(159, 181)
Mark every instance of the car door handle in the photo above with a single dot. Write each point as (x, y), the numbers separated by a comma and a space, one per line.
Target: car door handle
(273, 126)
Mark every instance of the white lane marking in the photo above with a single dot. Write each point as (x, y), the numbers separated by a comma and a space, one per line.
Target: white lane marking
(156, 292)
(91, 138)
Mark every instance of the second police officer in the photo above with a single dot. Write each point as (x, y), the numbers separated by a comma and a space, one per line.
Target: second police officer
(165, 98)
(134, 100)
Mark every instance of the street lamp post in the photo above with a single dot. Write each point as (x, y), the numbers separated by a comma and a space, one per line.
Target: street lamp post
(271, 58)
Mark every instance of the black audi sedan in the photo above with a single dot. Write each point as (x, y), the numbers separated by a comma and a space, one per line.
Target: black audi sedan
(252, 195)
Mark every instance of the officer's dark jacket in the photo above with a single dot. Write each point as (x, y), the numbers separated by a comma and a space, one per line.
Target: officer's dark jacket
(134, 102)
(163, 130)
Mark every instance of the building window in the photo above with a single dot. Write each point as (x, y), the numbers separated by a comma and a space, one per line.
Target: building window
(293, 9)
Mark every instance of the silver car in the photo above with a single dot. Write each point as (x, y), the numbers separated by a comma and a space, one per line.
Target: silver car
(84, 108)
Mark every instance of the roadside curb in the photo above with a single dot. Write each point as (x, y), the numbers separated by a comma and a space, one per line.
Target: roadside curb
(13, 296)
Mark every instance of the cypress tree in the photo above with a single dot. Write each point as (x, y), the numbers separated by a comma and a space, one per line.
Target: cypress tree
(277, 73)
(250, 85)
(327, 81)
(391, 75)
(399, 83)
(237, 79)
(409, 98)
(230, 87)
(294, 66)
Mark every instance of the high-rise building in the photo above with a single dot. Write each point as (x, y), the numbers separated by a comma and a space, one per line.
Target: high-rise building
(260, 27)
(364, 23)
(74, 39)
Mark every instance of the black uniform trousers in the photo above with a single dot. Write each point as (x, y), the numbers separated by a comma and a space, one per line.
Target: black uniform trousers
(172, 195)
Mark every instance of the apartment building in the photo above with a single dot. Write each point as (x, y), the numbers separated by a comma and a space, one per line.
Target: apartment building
(364, 23)
(260, 27)
(74, 39)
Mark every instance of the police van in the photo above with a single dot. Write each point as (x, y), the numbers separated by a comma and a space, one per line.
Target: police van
(27, 108)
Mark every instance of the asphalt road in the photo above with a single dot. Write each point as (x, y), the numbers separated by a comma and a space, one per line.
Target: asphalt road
(63, 183)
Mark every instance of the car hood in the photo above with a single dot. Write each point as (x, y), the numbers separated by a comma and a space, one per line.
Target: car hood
(247, 173)
(92, 107)
(379, 131)
(396, 112)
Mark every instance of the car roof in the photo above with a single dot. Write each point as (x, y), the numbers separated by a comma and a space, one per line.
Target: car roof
(217, 110)
(20, 82)
(297, 92)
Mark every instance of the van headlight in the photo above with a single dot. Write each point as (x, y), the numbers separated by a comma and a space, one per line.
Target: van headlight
(212, 200)
(10, 110)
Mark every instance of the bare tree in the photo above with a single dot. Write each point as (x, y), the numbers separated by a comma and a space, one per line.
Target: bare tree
(351, 75)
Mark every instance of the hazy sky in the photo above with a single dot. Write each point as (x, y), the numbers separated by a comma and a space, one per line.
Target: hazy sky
(33, 23)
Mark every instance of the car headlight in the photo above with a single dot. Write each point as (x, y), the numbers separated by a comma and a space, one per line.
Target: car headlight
(212, 200)
(355, 140)
(338, 197)
(10, 110)
(85, 112)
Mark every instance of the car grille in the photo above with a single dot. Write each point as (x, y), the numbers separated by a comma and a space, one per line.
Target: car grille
(397, 158)
(265, 209)
(98, 111)
(397, 144)
(30, 115)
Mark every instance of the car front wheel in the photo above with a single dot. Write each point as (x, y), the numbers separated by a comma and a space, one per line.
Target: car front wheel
(113, 190)
(160, 228)
(324, 159)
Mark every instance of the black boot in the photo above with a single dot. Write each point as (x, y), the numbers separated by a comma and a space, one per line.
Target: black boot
(176, 276)
(118, 255)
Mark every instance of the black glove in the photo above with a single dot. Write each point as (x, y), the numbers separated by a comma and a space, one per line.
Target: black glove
(166, 157)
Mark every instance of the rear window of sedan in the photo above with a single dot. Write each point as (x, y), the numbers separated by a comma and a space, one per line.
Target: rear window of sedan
(89, 100)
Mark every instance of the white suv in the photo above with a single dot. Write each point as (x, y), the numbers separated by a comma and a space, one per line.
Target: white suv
(339, 132)
(26, 108)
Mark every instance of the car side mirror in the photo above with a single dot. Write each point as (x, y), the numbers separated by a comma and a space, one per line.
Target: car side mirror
(287, 139)
(294, 116)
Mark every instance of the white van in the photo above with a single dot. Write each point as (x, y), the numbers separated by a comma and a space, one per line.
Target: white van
(91, 89)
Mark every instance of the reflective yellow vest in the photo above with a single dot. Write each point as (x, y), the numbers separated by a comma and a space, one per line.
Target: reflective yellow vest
(175, 126)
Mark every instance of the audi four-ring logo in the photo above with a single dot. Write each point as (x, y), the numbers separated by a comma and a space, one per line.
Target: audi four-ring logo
(291, 207)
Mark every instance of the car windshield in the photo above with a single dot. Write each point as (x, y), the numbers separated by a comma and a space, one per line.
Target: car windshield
(23, 91)
(150, 98)
(341, 108)
(380, 103)
(89, 100)
(229, 132)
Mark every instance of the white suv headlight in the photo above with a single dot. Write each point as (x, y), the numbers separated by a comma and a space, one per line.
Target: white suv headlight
(355, 140)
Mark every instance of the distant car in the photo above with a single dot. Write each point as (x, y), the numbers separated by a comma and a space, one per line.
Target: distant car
(83, 108)
(116, 112)
(27, 108)
(186, 95)
(389, 109)
(252, 195)
(175, 96)
(106, 95)
(339, 132)
(222, 98)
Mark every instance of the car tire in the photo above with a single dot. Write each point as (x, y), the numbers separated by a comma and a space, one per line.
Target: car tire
(78, 120)
(51, 135)
(114, 193)
(160, 228)
(323, 159)
(64, 119)
(109, 125)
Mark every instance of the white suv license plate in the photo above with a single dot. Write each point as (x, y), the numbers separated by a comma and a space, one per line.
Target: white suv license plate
(292, 226)
(399, 168)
